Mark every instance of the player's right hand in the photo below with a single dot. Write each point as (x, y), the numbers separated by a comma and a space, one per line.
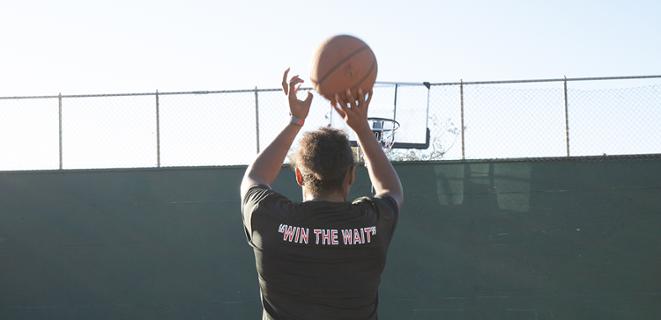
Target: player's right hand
(354, 112)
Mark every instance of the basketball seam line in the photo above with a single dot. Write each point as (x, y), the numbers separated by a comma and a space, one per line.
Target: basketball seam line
(339, 64)
(365, 76)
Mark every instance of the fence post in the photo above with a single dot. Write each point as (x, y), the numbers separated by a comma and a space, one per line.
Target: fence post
(566, 117)
(461, 97)
(158, 131)
(257, 117)
(59, 107)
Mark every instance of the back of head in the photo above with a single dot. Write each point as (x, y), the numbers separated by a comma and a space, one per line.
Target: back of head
(324, 157)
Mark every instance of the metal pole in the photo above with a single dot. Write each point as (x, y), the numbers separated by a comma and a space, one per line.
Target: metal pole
(158, 131)
(461, 94)
(257, 117)
(428, 85)
(394, 116)
(566, 117)
(59, 100)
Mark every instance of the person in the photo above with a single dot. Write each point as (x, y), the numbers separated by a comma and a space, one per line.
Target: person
(321, 258)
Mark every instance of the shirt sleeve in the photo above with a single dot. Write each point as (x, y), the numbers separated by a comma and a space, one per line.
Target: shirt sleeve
(389, 211)
(389, 202)
(386, 209)
(259, 203)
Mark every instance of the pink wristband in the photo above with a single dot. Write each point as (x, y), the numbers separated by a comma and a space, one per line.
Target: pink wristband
(297, 121)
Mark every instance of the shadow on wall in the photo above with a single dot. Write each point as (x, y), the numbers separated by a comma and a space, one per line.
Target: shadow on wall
(530, 240)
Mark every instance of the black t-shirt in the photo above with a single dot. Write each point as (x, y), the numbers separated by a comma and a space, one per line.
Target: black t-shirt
(318, 259)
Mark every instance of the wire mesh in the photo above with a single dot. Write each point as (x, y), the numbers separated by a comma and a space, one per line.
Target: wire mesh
(207, 129)
(616, 120)
(274, 115)
(514, 120)
(29, 134)
(443, 120)
(507, 119)
(108, 132)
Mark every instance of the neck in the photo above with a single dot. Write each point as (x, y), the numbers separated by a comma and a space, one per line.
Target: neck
(332, 197)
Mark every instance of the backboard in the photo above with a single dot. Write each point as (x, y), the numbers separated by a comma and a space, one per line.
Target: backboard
(408, 104)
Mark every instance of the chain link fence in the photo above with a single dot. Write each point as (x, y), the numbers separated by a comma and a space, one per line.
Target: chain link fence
(467, 120)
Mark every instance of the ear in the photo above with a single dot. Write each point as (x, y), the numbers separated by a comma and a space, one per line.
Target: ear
(351, 175)
(299, 176)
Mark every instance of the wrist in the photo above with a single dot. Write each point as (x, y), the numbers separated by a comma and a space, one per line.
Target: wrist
(297, 121)
(363, 128)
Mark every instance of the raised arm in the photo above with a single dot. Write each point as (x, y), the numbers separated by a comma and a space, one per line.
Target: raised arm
(382, 174)
(268, 163)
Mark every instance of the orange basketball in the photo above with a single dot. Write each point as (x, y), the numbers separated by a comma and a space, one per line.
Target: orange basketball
(343, 62)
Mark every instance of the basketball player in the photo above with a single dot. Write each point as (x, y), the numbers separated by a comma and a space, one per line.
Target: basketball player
(321, 258)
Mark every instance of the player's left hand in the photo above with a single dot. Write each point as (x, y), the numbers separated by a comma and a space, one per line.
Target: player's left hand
(298, 108)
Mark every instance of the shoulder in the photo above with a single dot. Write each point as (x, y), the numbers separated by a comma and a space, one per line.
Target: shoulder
(384, 206)
(256, 193)
(261, 203)
(260, 194)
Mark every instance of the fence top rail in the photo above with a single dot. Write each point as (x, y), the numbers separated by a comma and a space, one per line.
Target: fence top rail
(378, 83)
(98, 95)
(545, 80)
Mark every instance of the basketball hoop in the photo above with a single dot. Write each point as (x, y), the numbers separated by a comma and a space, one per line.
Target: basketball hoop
(384, 131)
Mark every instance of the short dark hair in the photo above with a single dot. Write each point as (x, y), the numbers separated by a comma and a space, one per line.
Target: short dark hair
(324, 156)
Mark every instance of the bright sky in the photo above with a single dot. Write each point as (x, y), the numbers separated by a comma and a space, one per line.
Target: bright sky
(119, 46)
(83, 46)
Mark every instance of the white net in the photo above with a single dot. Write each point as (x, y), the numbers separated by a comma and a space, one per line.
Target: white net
(384, 131)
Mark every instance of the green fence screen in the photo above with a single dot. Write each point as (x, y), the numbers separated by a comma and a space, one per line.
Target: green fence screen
(520, 239)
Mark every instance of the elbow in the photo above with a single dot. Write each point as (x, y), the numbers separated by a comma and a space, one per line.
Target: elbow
(399, 199)
(397, 196)
(243, 188)
(247, 182)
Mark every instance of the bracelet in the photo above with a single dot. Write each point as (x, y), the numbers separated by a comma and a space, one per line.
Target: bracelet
(297, 121)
